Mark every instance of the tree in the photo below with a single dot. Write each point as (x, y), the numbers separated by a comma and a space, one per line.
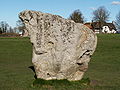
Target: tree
(77, 16)
(4, 26)
(101, 15)
(0, 31)
(11, 30)
(20, 26)
(118, 21)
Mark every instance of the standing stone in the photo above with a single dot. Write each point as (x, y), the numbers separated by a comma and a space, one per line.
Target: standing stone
(61, 47)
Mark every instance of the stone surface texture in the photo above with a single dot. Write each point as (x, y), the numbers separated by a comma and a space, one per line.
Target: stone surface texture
(61, 47)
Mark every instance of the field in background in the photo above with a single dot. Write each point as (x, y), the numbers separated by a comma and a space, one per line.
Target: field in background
(16, 54)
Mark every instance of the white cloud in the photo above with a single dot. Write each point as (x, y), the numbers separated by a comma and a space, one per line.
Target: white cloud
(116, 3)
(92, 8)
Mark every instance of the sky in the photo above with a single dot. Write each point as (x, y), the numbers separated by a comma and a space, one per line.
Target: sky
(9, 9)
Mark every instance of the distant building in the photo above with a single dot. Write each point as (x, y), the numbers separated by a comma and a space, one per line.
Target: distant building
(97, 27)
(89, 25)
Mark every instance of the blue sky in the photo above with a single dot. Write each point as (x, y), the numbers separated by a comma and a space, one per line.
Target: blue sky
(9, 9)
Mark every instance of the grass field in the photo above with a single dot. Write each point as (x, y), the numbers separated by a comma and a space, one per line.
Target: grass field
(103, 72)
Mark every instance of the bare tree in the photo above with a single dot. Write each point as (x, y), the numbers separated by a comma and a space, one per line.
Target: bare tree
(0, 30)
(101, 14)
(77, 16)
(4, 26)
(118, 21)
(11, 30)
(20, 26)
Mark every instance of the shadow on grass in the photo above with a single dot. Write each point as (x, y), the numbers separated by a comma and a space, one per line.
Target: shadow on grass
(61, 84)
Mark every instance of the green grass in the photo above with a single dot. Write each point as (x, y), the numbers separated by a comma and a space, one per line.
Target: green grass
(103, 72)
(61, 84)
(105, 63)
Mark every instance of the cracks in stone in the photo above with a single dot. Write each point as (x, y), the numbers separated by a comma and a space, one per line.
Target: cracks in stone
(31, 16)
(50, 42)
(80, 63)
(27, 20)
(39, 52)
(48, 74)
(87, 52)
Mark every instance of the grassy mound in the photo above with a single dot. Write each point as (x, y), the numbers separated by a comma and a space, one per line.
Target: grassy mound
(61, 84)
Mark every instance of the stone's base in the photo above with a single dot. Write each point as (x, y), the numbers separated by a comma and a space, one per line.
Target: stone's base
(61, 47)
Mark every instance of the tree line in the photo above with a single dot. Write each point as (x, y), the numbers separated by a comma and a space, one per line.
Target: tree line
(6, 28)
(100, 15)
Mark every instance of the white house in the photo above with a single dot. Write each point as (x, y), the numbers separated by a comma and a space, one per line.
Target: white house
(97, 27)
(106, 29)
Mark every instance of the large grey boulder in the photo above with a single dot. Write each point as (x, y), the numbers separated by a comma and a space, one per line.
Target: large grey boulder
(61, 47)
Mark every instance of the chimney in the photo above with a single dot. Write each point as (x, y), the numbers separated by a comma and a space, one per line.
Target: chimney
(113, 22)
(91, 22)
